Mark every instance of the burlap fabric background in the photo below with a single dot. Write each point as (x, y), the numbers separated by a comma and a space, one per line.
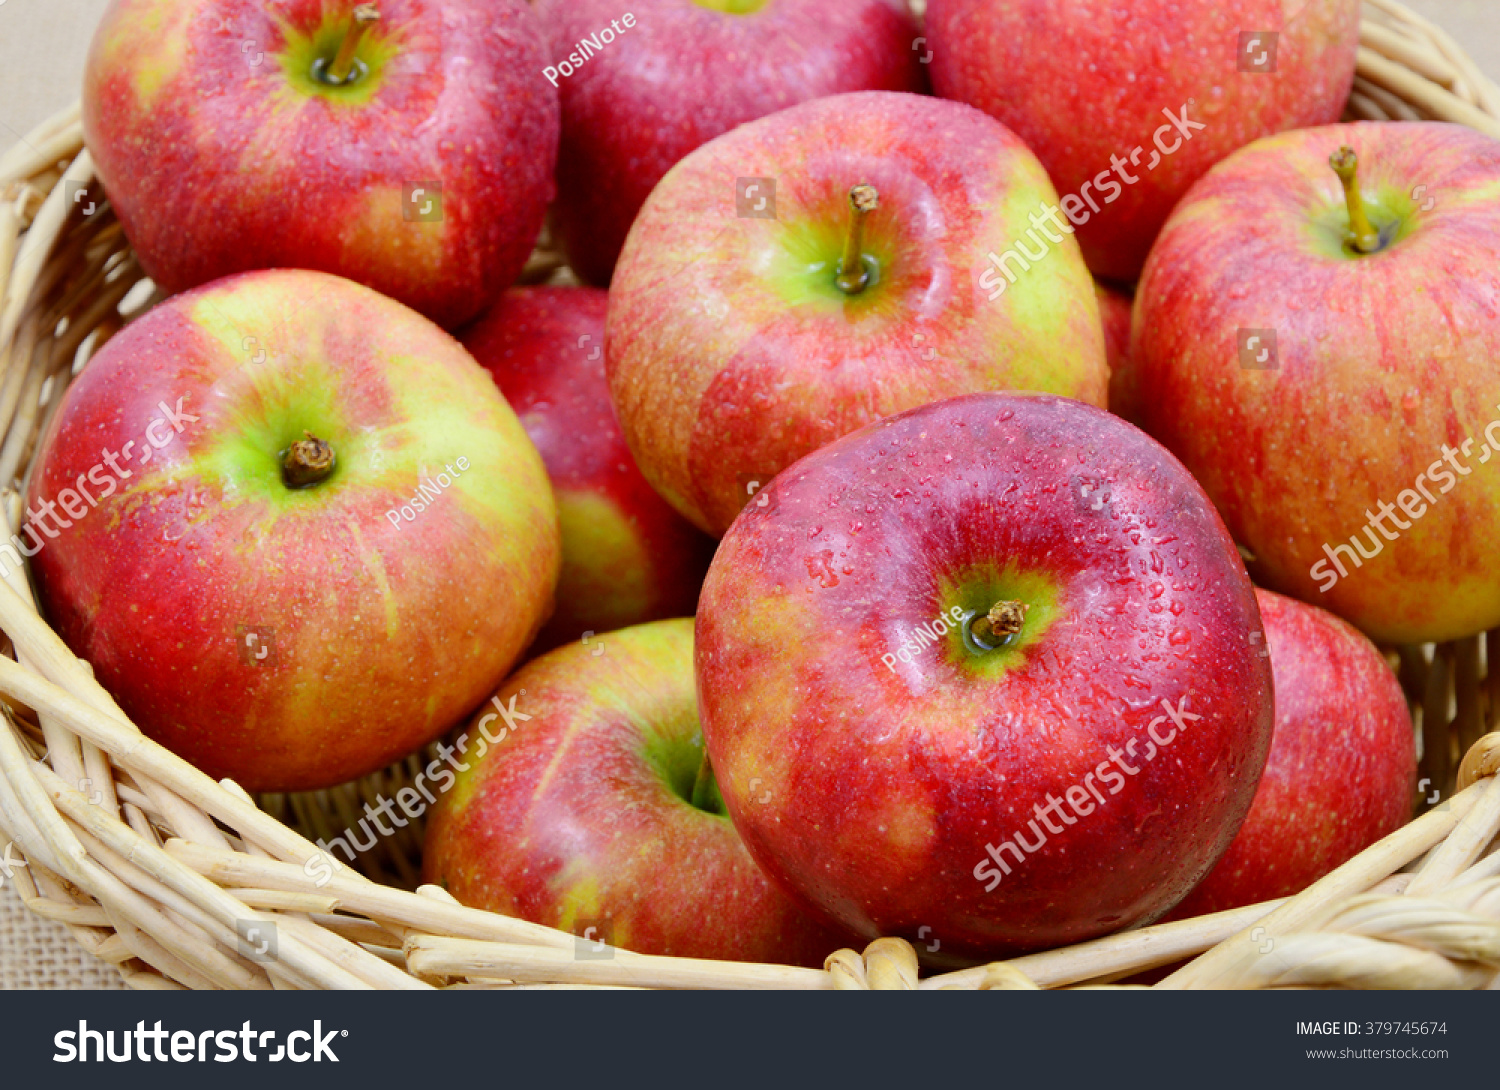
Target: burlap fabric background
(42, 47)
(37, 953)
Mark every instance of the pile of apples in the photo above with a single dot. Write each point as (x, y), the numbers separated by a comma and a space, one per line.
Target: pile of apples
(977, 660)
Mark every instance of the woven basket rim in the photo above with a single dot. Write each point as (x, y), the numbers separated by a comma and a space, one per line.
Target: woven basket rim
(87, 799)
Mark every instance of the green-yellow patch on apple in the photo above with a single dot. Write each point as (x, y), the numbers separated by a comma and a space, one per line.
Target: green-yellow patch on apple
(1044, 299)
(593, 526)
(411, 620)
(154, 50)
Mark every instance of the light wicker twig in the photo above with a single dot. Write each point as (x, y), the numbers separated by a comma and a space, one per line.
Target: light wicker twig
(158, 869)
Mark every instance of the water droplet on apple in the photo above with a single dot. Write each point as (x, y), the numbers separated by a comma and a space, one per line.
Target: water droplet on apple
(1180, 637)
(820, 567)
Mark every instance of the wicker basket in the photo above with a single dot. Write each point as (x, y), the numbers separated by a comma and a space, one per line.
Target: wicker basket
(167, 874)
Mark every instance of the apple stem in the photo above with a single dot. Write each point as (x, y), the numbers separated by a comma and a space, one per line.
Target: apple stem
(853, 277)
(365, 16)
(307, 462)
(1004, 620)
(1362, 235)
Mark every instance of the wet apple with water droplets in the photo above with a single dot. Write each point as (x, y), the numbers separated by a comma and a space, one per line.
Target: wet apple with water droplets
(996, 661)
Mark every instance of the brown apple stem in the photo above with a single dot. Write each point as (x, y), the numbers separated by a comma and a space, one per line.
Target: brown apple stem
(307, 462)
(1362, 235)
(1004, 619)
(365, 16)
(853, 277)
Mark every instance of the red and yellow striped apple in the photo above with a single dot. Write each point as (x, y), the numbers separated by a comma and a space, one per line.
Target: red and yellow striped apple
(596, 812)
(321, 536)
(653, 82)
(1128, 105)
(1114, 308)
(242, 134)
(826, 266)
(1341, 769)
(1340, 399)
(628, 557)
(994, 663)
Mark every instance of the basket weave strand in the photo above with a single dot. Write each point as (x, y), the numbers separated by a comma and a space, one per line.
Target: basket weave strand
(159, 870)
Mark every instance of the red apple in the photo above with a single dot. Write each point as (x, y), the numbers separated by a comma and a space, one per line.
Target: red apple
(1114, 309)
(736, 344)
(640, 90)
(322, 537)
(1339, 776)
(226, 143)
(1340, 406)
(627, 557)
(581, 806)
(1127, 105)
(994, 663)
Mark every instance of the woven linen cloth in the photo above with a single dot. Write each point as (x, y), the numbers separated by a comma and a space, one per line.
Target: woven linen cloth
(38, 953)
